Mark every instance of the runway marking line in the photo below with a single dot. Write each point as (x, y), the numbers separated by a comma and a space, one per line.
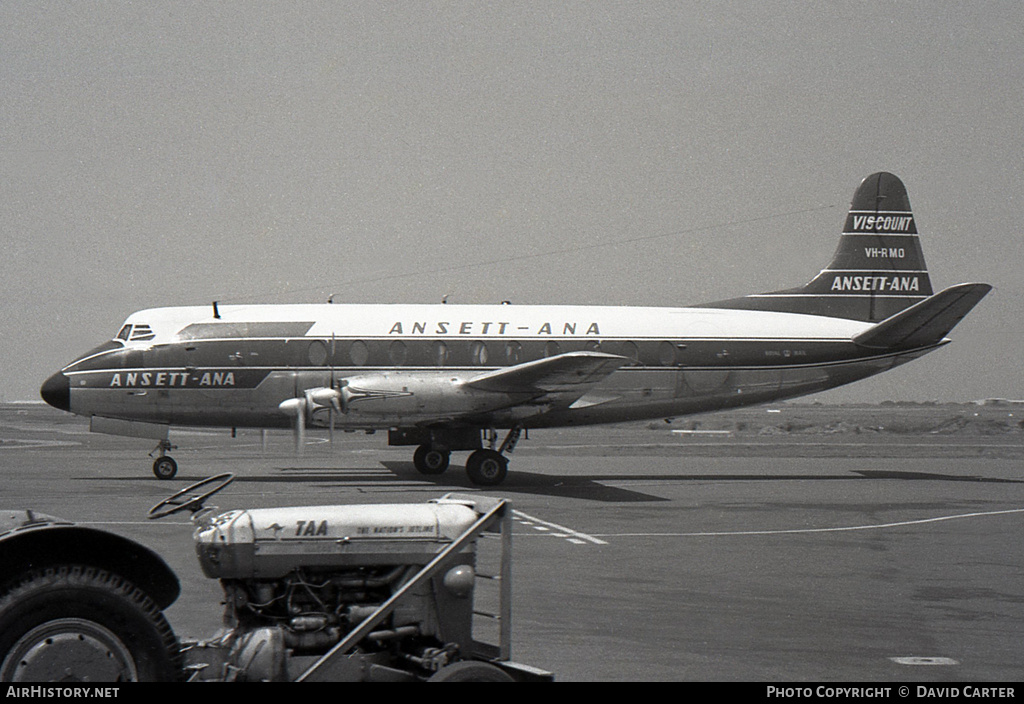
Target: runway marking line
(545, 527)
(19, 444)
(924, 661)
(838, 529)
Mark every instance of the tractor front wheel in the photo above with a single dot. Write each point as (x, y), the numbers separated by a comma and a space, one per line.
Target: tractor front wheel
(75, 623)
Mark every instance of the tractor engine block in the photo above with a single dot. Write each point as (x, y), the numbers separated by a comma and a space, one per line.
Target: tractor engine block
(297, 580)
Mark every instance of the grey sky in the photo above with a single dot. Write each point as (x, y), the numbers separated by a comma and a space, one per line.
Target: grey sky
(167, 153)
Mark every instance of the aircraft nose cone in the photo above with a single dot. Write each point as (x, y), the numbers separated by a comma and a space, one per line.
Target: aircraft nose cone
(56, 391)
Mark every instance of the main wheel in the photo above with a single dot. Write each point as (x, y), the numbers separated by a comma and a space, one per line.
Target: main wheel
(76, 623)
(471, 671)
(430, 461)
(487, 467)
(165, 467)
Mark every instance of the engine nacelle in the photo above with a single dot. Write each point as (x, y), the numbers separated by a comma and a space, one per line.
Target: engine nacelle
(406, 397)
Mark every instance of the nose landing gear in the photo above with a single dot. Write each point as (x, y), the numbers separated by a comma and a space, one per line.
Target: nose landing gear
(164, 467)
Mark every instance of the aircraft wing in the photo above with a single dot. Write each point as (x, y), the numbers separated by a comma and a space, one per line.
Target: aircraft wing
(926, 322)
(571, 371)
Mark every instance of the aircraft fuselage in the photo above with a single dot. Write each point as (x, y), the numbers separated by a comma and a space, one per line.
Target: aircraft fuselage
(236, 370)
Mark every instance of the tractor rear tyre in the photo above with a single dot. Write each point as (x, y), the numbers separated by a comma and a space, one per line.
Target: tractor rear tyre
(471, 671)
(75, 623)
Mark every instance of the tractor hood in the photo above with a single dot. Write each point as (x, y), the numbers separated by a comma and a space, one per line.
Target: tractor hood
(269, 543)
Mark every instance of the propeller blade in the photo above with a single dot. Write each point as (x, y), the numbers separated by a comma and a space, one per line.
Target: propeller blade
(296, 407)
(300, 433)
(330, 432)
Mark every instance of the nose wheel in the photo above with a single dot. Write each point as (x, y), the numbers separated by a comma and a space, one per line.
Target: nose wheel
(164, 467)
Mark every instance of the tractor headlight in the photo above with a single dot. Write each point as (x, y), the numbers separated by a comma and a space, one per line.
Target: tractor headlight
(459, 580)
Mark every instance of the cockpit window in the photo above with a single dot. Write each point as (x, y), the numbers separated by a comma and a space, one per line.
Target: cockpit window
(142, 332)
(135, 333)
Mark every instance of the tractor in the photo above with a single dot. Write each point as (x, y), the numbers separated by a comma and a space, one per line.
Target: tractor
(375, 592)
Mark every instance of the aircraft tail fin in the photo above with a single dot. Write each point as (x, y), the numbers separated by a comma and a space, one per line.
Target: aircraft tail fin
(925, 323)
(878, 268)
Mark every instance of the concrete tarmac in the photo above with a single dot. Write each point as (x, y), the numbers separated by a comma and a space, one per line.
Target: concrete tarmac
(639, 554)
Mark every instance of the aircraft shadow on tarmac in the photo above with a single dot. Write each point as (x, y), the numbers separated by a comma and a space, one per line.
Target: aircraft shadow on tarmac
(577, 486)
(574, 487)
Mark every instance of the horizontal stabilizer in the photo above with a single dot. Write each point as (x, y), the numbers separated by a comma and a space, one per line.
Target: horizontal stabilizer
(551, 374)
(924, 323)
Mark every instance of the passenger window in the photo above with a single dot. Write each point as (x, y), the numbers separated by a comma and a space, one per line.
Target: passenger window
(479, 352)
(398, 353)
(359, 353)
(667, 354)
(440, 353)
(513, 352)
(317, 353)
(552, 349)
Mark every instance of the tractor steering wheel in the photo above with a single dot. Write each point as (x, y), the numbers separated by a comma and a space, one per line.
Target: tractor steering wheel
(182, 502)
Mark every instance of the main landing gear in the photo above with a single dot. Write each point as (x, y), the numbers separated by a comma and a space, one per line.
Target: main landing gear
(485, 467)
(164, 467)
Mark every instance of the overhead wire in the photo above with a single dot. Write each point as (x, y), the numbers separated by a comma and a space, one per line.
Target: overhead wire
(520, 257)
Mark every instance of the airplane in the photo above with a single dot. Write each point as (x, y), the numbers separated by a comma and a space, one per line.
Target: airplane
(446, 378)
